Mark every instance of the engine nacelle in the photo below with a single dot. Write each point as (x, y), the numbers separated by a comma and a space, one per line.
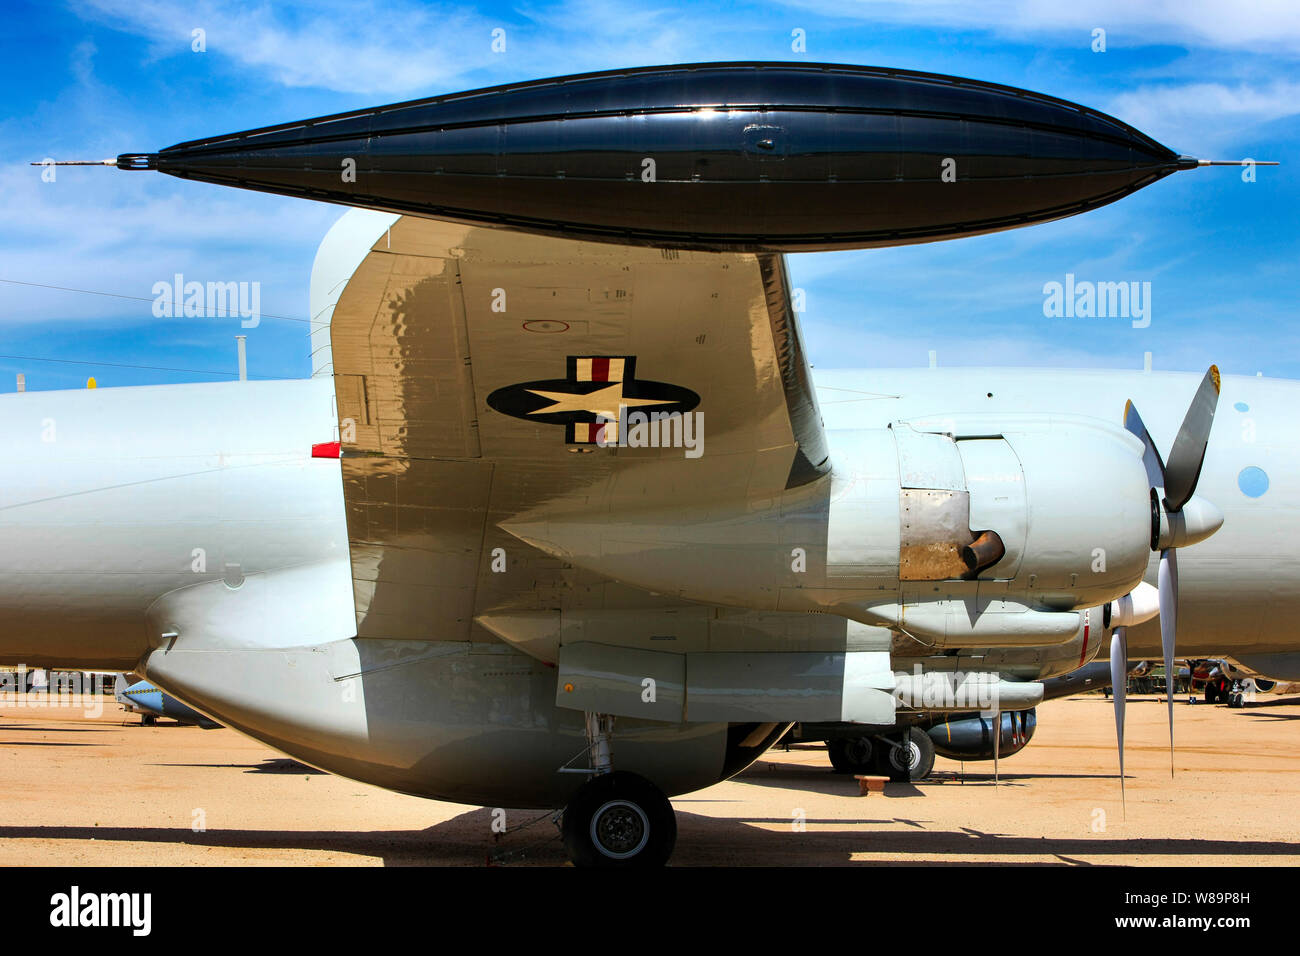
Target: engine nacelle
(979, 516)
(996, 500)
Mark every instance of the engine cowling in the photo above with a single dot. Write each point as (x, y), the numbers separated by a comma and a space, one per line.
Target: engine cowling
(1005, 528)
(1003, 501)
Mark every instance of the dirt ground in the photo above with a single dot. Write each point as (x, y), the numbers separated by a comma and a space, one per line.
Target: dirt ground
(79, 790)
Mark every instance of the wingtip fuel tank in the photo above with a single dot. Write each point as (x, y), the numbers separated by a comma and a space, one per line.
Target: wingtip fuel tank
(773, 157)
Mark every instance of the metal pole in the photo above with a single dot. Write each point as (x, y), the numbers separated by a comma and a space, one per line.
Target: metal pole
(243, 357)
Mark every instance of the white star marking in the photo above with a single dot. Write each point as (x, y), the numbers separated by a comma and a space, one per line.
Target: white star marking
(603, 401)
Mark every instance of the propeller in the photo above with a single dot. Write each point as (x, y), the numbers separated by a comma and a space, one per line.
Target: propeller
(1118, 685)
(1178, 518)
(997, 740)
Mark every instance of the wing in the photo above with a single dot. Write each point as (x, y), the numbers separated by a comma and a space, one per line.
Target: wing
(481, 373)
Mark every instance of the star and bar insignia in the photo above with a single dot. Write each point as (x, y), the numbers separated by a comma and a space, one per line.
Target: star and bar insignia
(595, 387)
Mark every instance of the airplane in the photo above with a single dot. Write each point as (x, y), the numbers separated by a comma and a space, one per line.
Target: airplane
(1230, 682)
(459, 562)
(141, 697)
(858, 749)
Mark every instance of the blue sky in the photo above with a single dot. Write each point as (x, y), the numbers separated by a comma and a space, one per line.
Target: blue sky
(95, 78)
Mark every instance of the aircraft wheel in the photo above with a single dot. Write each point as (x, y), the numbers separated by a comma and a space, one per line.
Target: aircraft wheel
(1211, 695)
(148, 720)
(619, 819)
(913, 760)
(851, 754)
(1234, 699)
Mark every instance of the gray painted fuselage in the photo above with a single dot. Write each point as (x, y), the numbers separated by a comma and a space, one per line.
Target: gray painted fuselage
(112, 498)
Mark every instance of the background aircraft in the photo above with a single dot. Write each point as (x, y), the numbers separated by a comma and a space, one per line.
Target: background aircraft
(856, 749)
(141, 697)
(1228, 681)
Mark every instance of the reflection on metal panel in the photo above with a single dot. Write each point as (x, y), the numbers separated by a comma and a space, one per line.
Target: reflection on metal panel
(624, 681)
(415, 529)
(935, 527)
(997, 498)
(439, 316)
(401, 358)
(927, 460)
(812, 460)
(736, 687)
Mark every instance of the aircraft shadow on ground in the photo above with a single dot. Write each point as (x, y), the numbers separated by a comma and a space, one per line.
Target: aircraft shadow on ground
(45, 743)
(46, 728)
(815, 779)
(466, 840)
(1261, 708)
(270, 765)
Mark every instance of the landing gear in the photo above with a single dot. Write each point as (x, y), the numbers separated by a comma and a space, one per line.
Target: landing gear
(148, 720)
(616, 818)
(1220, 691)
(619, 819)
(1236, 697)
(851, 754)
(908, 759)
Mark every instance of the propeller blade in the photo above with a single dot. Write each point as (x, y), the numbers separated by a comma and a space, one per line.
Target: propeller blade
(997, 739)
(1151, 455)
(1168, 586)
(1188, 453)
(1119, 691)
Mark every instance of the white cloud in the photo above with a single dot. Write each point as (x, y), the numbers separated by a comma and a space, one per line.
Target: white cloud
(106, 230)
(1263, 25)
(334, 44)
(411, 49)
(1195, 117)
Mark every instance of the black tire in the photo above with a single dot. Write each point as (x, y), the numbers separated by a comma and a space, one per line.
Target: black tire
(1211, 694)
(148, 720)
(619, 819)
(851, 755)
(835, 750)
(917, 752)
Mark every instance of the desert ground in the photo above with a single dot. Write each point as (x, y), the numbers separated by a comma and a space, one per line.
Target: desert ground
(105, 790)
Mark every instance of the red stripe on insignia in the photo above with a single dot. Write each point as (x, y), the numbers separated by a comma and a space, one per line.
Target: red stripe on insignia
(328, 449)
(600, 370)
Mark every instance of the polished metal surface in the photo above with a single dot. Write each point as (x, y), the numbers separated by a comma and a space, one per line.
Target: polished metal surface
(722, 156)
(439, 485)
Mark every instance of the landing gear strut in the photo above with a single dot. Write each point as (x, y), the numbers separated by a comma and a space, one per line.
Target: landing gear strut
(616, 818)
